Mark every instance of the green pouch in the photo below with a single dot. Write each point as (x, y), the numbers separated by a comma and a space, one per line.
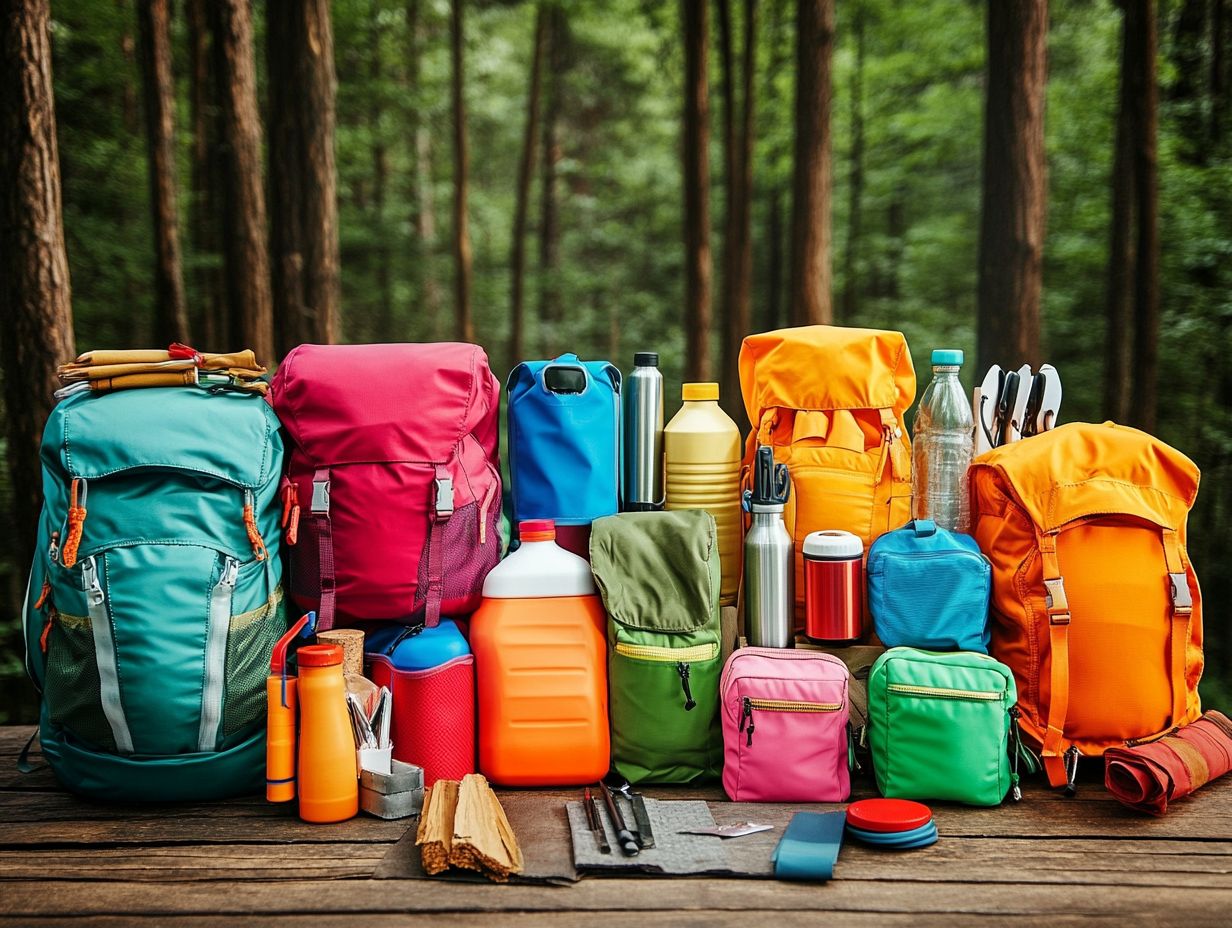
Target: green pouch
(658, 574)
(940, 726)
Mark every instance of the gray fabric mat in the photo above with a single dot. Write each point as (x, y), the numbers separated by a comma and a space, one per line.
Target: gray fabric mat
(672, 854)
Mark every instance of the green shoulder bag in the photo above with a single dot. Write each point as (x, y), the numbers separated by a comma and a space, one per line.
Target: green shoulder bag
(943, 726)
(658, 574)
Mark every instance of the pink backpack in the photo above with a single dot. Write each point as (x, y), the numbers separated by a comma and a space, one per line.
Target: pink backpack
(392, 496)
(785, 735)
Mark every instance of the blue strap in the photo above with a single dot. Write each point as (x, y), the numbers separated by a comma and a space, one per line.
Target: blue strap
(809, 847)
(924, 527)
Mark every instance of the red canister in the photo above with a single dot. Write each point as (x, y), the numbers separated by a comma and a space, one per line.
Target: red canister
(833, 587)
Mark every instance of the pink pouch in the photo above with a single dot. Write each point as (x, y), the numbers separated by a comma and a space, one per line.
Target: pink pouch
(785, 735)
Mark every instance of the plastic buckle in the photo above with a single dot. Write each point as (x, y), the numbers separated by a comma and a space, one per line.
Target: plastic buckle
(1182, 601)
(320, 496)
(444, 497)
(1058, 605)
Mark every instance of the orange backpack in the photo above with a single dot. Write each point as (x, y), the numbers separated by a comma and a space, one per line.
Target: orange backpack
(1088, 521)
(830, 401)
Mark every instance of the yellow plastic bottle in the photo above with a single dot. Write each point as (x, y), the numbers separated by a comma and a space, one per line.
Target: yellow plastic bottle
(701, 449)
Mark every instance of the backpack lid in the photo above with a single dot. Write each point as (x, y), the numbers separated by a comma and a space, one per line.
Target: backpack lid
(346, 404)
(826, 367)
(657, 570)
(226, 435)
(1083, 469)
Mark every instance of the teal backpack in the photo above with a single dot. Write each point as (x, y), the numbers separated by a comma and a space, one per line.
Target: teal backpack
(658, 574)
(154, 599)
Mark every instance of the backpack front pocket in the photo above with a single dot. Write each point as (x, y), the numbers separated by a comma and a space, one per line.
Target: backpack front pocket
(790, 750)
(935, 600)
(664, 706)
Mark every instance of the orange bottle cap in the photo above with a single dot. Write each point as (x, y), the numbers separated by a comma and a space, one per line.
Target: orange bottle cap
(319, 655)
(537, 530)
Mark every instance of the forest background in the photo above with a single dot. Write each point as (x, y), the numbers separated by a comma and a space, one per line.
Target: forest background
(1027, 181)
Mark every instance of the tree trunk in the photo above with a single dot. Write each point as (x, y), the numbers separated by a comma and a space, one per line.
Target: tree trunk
(526, 170)
(1141, 35)
(696, 164)
(774, 261)
(423, 218)
(810, 221)
(855, 181)
(37, 334)
(549, 223)
(244, 228)
(158, 85)
(1015, 185)
(303, 189)
(737, 237)
(1119, 311)
(461, 169)
(210, 321)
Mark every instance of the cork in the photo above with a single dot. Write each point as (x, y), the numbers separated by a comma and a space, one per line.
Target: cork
(352, 641)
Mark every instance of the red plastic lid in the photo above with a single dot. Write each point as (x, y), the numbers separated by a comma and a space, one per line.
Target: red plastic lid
(888, 815)
(319, 655)
(537, 530)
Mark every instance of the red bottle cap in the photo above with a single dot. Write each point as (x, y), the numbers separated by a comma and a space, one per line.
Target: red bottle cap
(888, 815)
(319, 655)
(537, 530)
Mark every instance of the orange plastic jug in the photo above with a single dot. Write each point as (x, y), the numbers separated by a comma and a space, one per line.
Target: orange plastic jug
(701, 448)
(541, 667)
(328, 780)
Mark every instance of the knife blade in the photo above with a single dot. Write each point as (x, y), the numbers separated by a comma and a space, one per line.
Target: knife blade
(645, 834)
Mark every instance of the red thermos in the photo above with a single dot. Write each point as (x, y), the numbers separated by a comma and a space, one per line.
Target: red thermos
(833, 587)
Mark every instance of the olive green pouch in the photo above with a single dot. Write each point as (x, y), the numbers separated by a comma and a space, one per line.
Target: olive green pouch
(940, 726)
(658, 574)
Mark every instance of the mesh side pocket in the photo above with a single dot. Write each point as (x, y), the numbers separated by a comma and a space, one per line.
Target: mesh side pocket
(249, 644)
(71, 685)
(464, 561)
(305, 559)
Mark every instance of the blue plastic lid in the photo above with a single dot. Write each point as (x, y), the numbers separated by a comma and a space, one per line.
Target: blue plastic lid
(948, 357)
(421, 650)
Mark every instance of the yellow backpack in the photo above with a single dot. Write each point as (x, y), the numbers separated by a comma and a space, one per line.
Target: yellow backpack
(830, 401)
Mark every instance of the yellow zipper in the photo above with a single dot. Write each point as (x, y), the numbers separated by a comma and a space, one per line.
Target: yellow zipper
(645, 652)
(788, 705)
(908, 689)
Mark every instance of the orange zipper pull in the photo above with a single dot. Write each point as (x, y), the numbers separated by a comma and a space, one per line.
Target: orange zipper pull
(46, 634)
(76, 522)
(44, 593)
(290, 512)
(250, 524)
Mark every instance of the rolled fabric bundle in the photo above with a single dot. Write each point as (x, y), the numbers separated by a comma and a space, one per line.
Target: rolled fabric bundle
(1149, 776)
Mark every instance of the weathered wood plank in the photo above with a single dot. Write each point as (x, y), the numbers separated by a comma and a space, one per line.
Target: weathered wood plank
(1165, 864)
(29, 899)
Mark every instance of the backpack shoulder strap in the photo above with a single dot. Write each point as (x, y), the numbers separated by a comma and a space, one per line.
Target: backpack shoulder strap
(325, 548)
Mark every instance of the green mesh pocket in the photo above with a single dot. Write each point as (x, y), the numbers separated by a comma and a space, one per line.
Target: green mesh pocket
(249, 644)
(71, 686)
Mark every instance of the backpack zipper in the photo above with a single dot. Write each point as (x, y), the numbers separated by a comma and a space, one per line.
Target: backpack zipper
(779, 705)
(940, 692)
(681, 657)
(683, 670)
(216, 655)
(105, 656)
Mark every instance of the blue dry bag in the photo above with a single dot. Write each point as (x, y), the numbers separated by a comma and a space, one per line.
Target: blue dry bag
(564, 440)
(929, 588)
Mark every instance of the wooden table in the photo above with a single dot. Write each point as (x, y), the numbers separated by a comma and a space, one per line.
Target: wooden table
(1046, 860)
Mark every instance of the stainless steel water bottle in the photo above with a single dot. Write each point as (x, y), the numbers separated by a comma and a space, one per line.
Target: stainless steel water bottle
(643, 435)
(769, 568)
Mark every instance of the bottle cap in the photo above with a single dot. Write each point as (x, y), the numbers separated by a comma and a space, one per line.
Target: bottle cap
(832, 544)
(319, 655)
(537, 530)
(646, 359)
(947, 357)
(692, 392)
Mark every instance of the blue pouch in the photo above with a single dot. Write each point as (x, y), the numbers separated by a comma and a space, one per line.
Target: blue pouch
(564, 440)
(929, 588)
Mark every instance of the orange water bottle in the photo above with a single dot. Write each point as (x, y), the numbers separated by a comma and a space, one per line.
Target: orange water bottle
(328, 781)
(282, 717)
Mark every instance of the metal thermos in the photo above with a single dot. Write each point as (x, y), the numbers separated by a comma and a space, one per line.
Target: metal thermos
(769, 571)
(643, 435)
(833, 587)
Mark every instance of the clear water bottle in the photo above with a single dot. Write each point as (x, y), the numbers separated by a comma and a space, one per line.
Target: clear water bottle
(942, 446)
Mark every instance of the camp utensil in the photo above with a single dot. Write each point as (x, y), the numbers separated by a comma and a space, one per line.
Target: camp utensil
(624, 837)
(1030, 422)
(986, 409)
(645, 834)
(1005, 410)
(1018, 402)
(1050, 401)
(595, 823)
